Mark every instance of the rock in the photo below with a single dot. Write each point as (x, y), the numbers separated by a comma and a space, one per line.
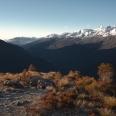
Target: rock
(17, 84)
(33, 88)
(8, 83)
(15, 103)
(34, 81)
(1, 94)
(41, 83)
(18, 103)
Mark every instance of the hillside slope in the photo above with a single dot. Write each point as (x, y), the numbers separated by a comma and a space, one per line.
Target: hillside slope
(14, 59)
(84, 55)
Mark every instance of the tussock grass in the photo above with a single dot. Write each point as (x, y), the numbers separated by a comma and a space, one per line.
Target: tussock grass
(109, 102)
(62, 83)
(106, 112)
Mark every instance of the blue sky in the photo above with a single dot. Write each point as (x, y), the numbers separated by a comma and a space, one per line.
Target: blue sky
(38, 18)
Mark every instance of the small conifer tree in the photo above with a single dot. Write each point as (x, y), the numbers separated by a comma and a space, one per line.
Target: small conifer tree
(105, 72)
(31, 68)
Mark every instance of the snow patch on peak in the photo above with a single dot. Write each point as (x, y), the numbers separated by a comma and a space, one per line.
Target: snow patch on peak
(52, 36)
(101, 31)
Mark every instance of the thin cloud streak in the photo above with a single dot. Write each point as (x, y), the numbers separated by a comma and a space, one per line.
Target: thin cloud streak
(66, 27)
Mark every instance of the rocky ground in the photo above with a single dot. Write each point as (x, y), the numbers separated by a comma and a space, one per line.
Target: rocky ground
(13, 101)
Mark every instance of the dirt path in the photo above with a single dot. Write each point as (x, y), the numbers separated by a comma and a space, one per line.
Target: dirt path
(12, 103)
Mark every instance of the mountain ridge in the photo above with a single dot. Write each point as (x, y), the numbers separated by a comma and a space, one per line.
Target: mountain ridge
(84, 55)
(101, 31)
(81, 34)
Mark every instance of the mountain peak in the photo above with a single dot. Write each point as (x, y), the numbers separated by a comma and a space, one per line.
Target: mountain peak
(83, 33)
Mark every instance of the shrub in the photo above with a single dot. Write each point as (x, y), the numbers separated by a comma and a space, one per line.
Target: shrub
(61, 100)
(51, 101)
(84, 81)
(109, 89)
(105, 72)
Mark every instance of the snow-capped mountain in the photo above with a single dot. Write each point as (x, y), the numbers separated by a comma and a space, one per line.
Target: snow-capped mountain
(81, 34)
(101, 31)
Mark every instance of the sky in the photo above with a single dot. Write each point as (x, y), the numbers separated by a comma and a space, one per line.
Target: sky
(38, 18)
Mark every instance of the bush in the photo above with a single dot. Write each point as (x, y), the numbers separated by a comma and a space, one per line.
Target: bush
(105, 72)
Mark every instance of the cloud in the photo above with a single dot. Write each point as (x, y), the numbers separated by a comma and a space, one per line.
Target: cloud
(88, 25)
(65, 27)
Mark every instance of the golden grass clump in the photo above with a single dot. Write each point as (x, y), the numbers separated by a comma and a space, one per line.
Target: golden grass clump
(91, 87)
(109, 102)
(58, 75)
(84, 81)
(106, 112)
(51, 89)
(49, 75)
(83, 96)
(62, 83)
(82, 103)
(73, 75)
(9, 76)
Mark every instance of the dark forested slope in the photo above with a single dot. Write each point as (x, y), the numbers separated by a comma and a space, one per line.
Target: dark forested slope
(76, 54)
(14, 59)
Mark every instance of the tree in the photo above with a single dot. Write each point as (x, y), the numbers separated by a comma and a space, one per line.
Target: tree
(31, 68)
(105, 72)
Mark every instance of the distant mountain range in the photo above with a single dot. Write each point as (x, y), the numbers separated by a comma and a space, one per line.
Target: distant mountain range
(101, 31)
(84, 50)
(21, 40)
(14, 59)
(84, 33)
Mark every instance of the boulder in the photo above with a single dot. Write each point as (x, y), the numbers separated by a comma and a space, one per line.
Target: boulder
(33, 82)
(41, 83)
